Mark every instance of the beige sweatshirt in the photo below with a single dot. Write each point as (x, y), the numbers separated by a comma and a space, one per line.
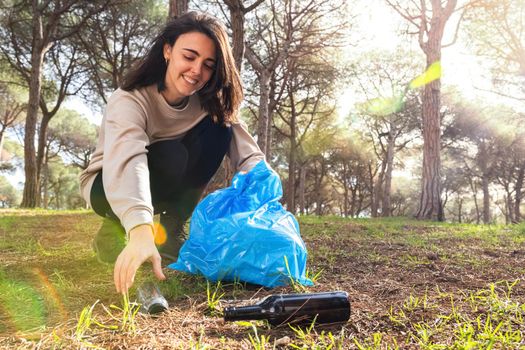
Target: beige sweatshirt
(134, 120)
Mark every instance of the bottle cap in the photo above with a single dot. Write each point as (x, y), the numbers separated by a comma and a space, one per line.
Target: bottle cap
(150, 298)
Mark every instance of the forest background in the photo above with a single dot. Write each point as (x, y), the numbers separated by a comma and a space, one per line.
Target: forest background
(365, 108)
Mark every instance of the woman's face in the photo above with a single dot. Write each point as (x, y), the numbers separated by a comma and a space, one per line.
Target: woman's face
(191, 63)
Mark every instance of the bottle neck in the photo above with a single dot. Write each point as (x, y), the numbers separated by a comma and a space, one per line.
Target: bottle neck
(252, 312)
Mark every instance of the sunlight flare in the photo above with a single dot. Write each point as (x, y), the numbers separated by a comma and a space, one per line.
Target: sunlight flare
(51, 291)
(432, 73)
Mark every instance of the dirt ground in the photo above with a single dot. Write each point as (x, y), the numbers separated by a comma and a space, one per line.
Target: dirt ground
(412, 285)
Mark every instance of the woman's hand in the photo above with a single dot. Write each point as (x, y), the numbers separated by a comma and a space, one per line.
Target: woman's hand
(141, 246)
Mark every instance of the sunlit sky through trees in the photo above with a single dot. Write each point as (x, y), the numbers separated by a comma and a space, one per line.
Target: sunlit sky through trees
(378, 27)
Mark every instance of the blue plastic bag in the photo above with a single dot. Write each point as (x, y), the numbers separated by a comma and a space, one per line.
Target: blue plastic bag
(243, 233)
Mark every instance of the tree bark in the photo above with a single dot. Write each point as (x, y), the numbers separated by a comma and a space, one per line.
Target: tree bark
(177, 8)
(263, 122)
(378, 190)
(2, 131)
(291, 161)
(385, 212)
(302, 182)
(485, 179)
(517, 197)
(430, 32)
(475, 197)
(430, 206)
(318, 197)
(460, 209)
(42, 40)
(486, 198)
(237, 26)
(31, 196)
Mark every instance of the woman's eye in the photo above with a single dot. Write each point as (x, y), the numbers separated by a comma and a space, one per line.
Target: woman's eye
(189, 58)
(210, 66)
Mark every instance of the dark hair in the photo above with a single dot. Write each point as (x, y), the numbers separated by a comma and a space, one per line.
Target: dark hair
(222, 94)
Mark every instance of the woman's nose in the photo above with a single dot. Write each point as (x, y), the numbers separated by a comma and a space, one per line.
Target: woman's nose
(196, 68)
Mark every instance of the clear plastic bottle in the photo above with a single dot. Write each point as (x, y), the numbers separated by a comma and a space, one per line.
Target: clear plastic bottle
(152, 301)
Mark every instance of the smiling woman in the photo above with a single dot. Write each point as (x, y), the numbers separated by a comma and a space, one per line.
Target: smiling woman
(163, 136)
(190, 62)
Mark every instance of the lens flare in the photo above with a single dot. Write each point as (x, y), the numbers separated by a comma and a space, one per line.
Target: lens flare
(382, 106)
(22, 304)
(51, 292)
(432, 73)
(160, 234)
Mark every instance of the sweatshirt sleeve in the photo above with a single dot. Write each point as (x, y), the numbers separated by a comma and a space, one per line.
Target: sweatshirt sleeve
(244, 152)
(125, 166)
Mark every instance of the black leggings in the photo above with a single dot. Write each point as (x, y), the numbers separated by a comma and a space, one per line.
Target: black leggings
(179, 171)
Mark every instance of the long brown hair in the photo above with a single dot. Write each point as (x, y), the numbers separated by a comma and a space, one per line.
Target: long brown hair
(222, 94)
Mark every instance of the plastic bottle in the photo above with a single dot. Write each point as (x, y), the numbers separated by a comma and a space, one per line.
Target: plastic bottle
(327, 307)
(152, 301)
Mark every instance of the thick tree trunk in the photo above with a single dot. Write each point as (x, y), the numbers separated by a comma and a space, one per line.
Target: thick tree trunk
(31, 195)
(430, 37)
(237, 27)
(177, 8)
(430, 206)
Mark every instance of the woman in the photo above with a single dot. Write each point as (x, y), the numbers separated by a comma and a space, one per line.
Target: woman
(163, 136)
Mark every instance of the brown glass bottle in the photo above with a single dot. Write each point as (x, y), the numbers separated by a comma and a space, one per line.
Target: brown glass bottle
(277, 309)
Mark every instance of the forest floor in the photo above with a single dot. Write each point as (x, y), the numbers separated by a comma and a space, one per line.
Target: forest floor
(412, 285)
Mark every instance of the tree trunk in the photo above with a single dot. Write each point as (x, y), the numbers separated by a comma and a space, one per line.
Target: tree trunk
(482, 156)
(42, 140)
(385, 212)
(460, 209)
(263, 124)
(45, 189)
(345, 191)
(177, 8)
(319, 182)
(486, 198)
(353, 203)
(31, 196)
(372, 189)
(475, 197)
(302, 181)
(518, 195)
(430, 206)
(291, 159)
(1, 141)
(378, 190)
(237, 27)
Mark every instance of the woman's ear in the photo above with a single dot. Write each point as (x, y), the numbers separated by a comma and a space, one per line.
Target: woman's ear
(167, 51)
